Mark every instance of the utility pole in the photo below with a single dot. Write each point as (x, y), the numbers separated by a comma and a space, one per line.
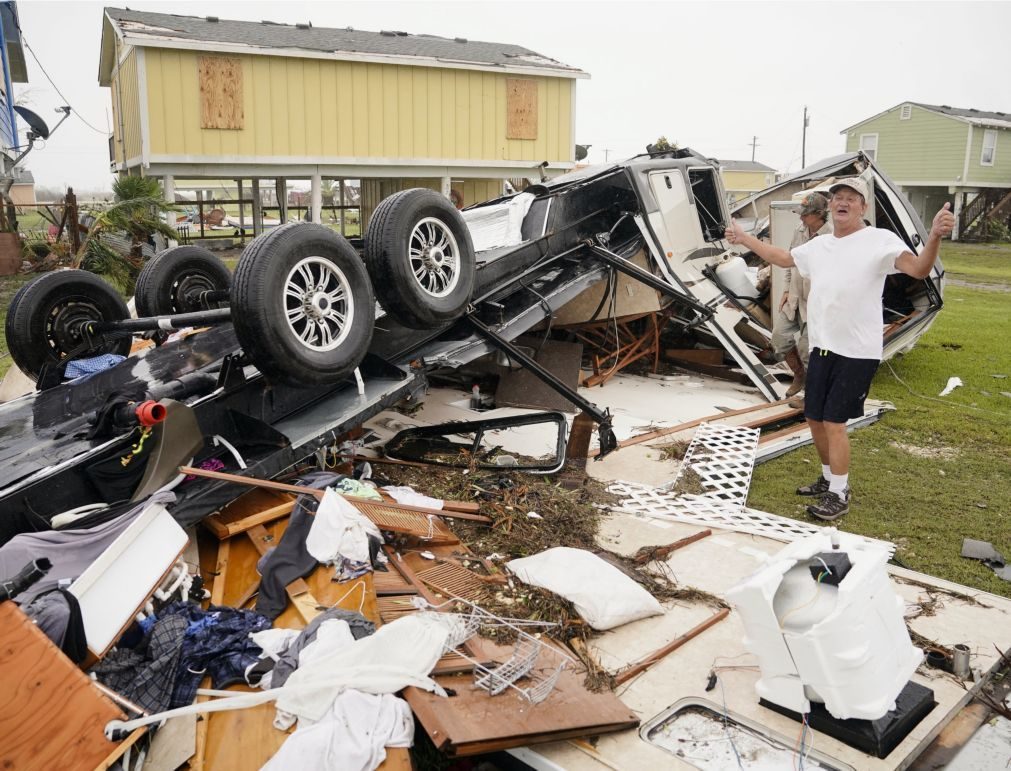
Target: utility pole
(606, 152)
(754, 144)
(803, 141)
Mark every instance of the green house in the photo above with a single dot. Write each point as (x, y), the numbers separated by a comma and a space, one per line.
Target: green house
(941, 154)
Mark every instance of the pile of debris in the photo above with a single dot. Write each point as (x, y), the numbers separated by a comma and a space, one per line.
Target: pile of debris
(313, 602)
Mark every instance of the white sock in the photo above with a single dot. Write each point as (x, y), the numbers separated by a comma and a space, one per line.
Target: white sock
(837, 484)
(826, 472)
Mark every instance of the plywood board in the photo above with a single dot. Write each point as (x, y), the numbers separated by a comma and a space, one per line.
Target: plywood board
(521, 109)
(472, 722)
(257, 507)
(520, 388)
(631, 298)
(51, 715)
(221, 93)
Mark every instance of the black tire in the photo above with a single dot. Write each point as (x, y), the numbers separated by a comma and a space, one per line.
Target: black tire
(421, 289)
(173, 280)
(45, 314)
(284, 340)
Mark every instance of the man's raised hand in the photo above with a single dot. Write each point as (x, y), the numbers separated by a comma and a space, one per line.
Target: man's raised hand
(734, 232)
(944, 222)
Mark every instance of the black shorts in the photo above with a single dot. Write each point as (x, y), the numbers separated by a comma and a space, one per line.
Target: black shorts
(836, 386)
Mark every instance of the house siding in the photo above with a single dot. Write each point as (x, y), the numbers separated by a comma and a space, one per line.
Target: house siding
(927, 147)
(1000, 172)
(126, 110)
(740, 184)
(307, 108)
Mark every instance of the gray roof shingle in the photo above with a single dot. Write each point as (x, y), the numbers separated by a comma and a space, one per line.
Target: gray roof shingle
(348, 40)
(965, 113)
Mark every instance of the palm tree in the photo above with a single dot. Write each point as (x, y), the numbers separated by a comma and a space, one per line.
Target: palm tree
(137, 209)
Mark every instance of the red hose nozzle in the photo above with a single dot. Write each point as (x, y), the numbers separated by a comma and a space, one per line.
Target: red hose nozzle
(150, 413)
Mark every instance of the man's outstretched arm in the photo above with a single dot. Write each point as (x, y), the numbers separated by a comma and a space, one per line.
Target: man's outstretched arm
(772, 254)
(920, 265)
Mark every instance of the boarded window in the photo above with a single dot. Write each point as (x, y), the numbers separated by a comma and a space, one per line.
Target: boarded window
(521, 109)
(221, 93)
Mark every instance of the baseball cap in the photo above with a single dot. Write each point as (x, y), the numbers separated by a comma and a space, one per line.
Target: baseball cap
(814, 203)
(855, 183)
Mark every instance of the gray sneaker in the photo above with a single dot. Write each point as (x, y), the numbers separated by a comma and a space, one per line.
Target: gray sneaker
(818, 488)
(831, 506)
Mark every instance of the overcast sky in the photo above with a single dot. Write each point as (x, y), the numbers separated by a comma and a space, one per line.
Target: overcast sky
(708, 75)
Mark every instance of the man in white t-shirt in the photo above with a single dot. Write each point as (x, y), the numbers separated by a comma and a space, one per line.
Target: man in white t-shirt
(847, 270)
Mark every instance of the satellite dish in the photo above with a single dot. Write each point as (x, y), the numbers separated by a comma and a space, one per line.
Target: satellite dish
(35, 123)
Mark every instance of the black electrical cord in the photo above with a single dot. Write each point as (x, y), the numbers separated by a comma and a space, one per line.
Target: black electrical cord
(65, 100)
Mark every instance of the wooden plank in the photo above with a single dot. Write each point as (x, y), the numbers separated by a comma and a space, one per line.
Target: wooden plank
(635, 669)
(660, 432)
(472, 722)
(220, 79)
(257, 507)
(521, 108)
(51, 715)
(712, 356)
(221, 560)
(318, 494)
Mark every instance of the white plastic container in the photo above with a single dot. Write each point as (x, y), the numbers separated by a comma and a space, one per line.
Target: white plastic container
(733, 274)
(846, 646)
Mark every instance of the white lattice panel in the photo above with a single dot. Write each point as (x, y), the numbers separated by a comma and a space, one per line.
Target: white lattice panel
(703, 510)
(723, 457)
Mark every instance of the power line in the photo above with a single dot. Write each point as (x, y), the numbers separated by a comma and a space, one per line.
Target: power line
(65, 100)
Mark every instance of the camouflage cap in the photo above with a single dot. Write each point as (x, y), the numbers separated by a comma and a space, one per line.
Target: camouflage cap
(814, 203)
(854, 183)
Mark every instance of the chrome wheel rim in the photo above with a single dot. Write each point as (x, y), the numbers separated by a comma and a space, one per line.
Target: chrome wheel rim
(435, 257)
(318, 305)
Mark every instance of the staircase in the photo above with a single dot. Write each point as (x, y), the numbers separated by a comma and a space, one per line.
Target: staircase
(990, 204)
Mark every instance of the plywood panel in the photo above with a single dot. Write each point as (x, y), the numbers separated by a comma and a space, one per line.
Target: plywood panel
(220, 80)
(521, 109)
(51, 715)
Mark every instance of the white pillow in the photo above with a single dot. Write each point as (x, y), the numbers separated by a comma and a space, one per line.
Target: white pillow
(603, 595)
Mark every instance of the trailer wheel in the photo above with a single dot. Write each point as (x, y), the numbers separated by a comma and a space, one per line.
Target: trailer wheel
(421, 258)
(174, 280)
(46, 317)
(302, 305)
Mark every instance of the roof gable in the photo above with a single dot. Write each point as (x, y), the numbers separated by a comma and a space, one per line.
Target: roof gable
(143, 28)
(965, 115)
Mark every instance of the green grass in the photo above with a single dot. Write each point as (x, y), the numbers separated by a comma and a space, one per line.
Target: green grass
(9, 285)
(979, 263)
(962, 487)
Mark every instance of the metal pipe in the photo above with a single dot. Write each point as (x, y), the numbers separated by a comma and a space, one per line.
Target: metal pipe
(177, 321)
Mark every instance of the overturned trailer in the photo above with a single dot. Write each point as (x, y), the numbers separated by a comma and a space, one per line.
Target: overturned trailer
(296, 356)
